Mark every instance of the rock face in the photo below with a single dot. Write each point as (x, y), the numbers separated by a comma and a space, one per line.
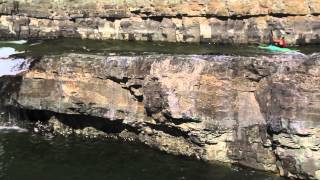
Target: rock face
(217, 21)
(261, 112)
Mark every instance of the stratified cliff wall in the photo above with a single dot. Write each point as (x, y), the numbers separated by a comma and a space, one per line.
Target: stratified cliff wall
(261, 112)
(217, 21)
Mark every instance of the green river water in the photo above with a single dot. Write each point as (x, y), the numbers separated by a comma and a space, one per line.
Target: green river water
(58, 46)
(26, 156)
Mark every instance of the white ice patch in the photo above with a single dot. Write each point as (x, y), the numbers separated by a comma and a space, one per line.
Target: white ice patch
(13, 66)
(6, 52)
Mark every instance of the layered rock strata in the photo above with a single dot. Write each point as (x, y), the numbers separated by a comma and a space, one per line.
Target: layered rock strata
(216, 21)
(261, 112)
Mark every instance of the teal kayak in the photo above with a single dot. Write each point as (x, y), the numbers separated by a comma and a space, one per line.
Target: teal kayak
(276, 48)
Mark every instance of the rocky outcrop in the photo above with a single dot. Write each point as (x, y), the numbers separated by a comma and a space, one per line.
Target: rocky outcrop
(291, 104)
(261, 112)
(216, 21)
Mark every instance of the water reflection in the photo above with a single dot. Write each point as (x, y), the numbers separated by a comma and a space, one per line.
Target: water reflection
(2, 160)
(28, 156)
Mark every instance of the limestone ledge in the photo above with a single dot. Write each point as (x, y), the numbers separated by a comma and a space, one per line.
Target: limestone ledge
(261, 112)
(217, 21)
(128, 8)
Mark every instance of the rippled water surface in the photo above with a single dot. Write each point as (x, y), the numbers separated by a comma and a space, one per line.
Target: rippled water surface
(31, 157)
(58, 46)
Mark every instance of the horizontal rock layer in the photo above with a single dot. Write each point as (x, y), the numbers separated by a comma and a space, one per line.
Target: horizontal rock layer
(261, 112)
(217, 21)
(127, 8)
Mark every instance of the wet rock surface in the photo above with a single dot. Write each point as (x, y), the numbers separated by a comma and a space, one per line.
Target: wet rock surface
(261, 112)
(217, 21)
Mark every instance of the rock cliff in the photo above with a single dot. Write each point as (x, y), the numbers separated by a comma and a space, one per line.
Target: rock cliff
(261, 112)
(216, 21)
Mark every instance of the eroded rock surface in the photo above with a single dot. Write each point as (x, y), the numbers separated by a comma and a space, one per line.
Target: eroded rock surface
(261, 112)
(217, 21)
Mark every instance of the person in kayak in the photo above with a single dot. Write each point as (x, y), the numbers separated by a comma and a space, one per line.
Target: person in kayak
(279, 42)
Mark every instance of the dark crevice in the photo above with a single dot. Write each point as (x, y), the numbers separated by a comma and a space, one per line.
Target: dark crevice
(155, 18)
(124, 80)
(135, 86)
(224, 18)
(173, 131)
(75, 121)
(73, 19)
(114, 18)
(243, 17)
(180, 16)
(235, 17)
(80, 121)
(138, 98)
(137, 11)
(274, 143)
(281, 15)
(178, 121)
(34, 61)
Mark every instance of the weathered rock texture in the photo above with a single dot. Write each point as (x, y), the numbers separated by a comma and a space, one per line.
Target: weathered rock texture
(261, 112)
(217, 21)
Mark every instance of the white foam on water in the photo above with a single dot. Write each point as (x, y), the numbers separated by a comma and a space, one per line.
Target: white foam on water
(36, 43)
(13, 66)
(15, 42)
(12, 128)
(297, 53)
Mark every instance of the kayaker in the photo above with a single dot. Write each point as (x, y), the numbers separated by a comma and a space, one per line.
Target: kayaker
(279, 42)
